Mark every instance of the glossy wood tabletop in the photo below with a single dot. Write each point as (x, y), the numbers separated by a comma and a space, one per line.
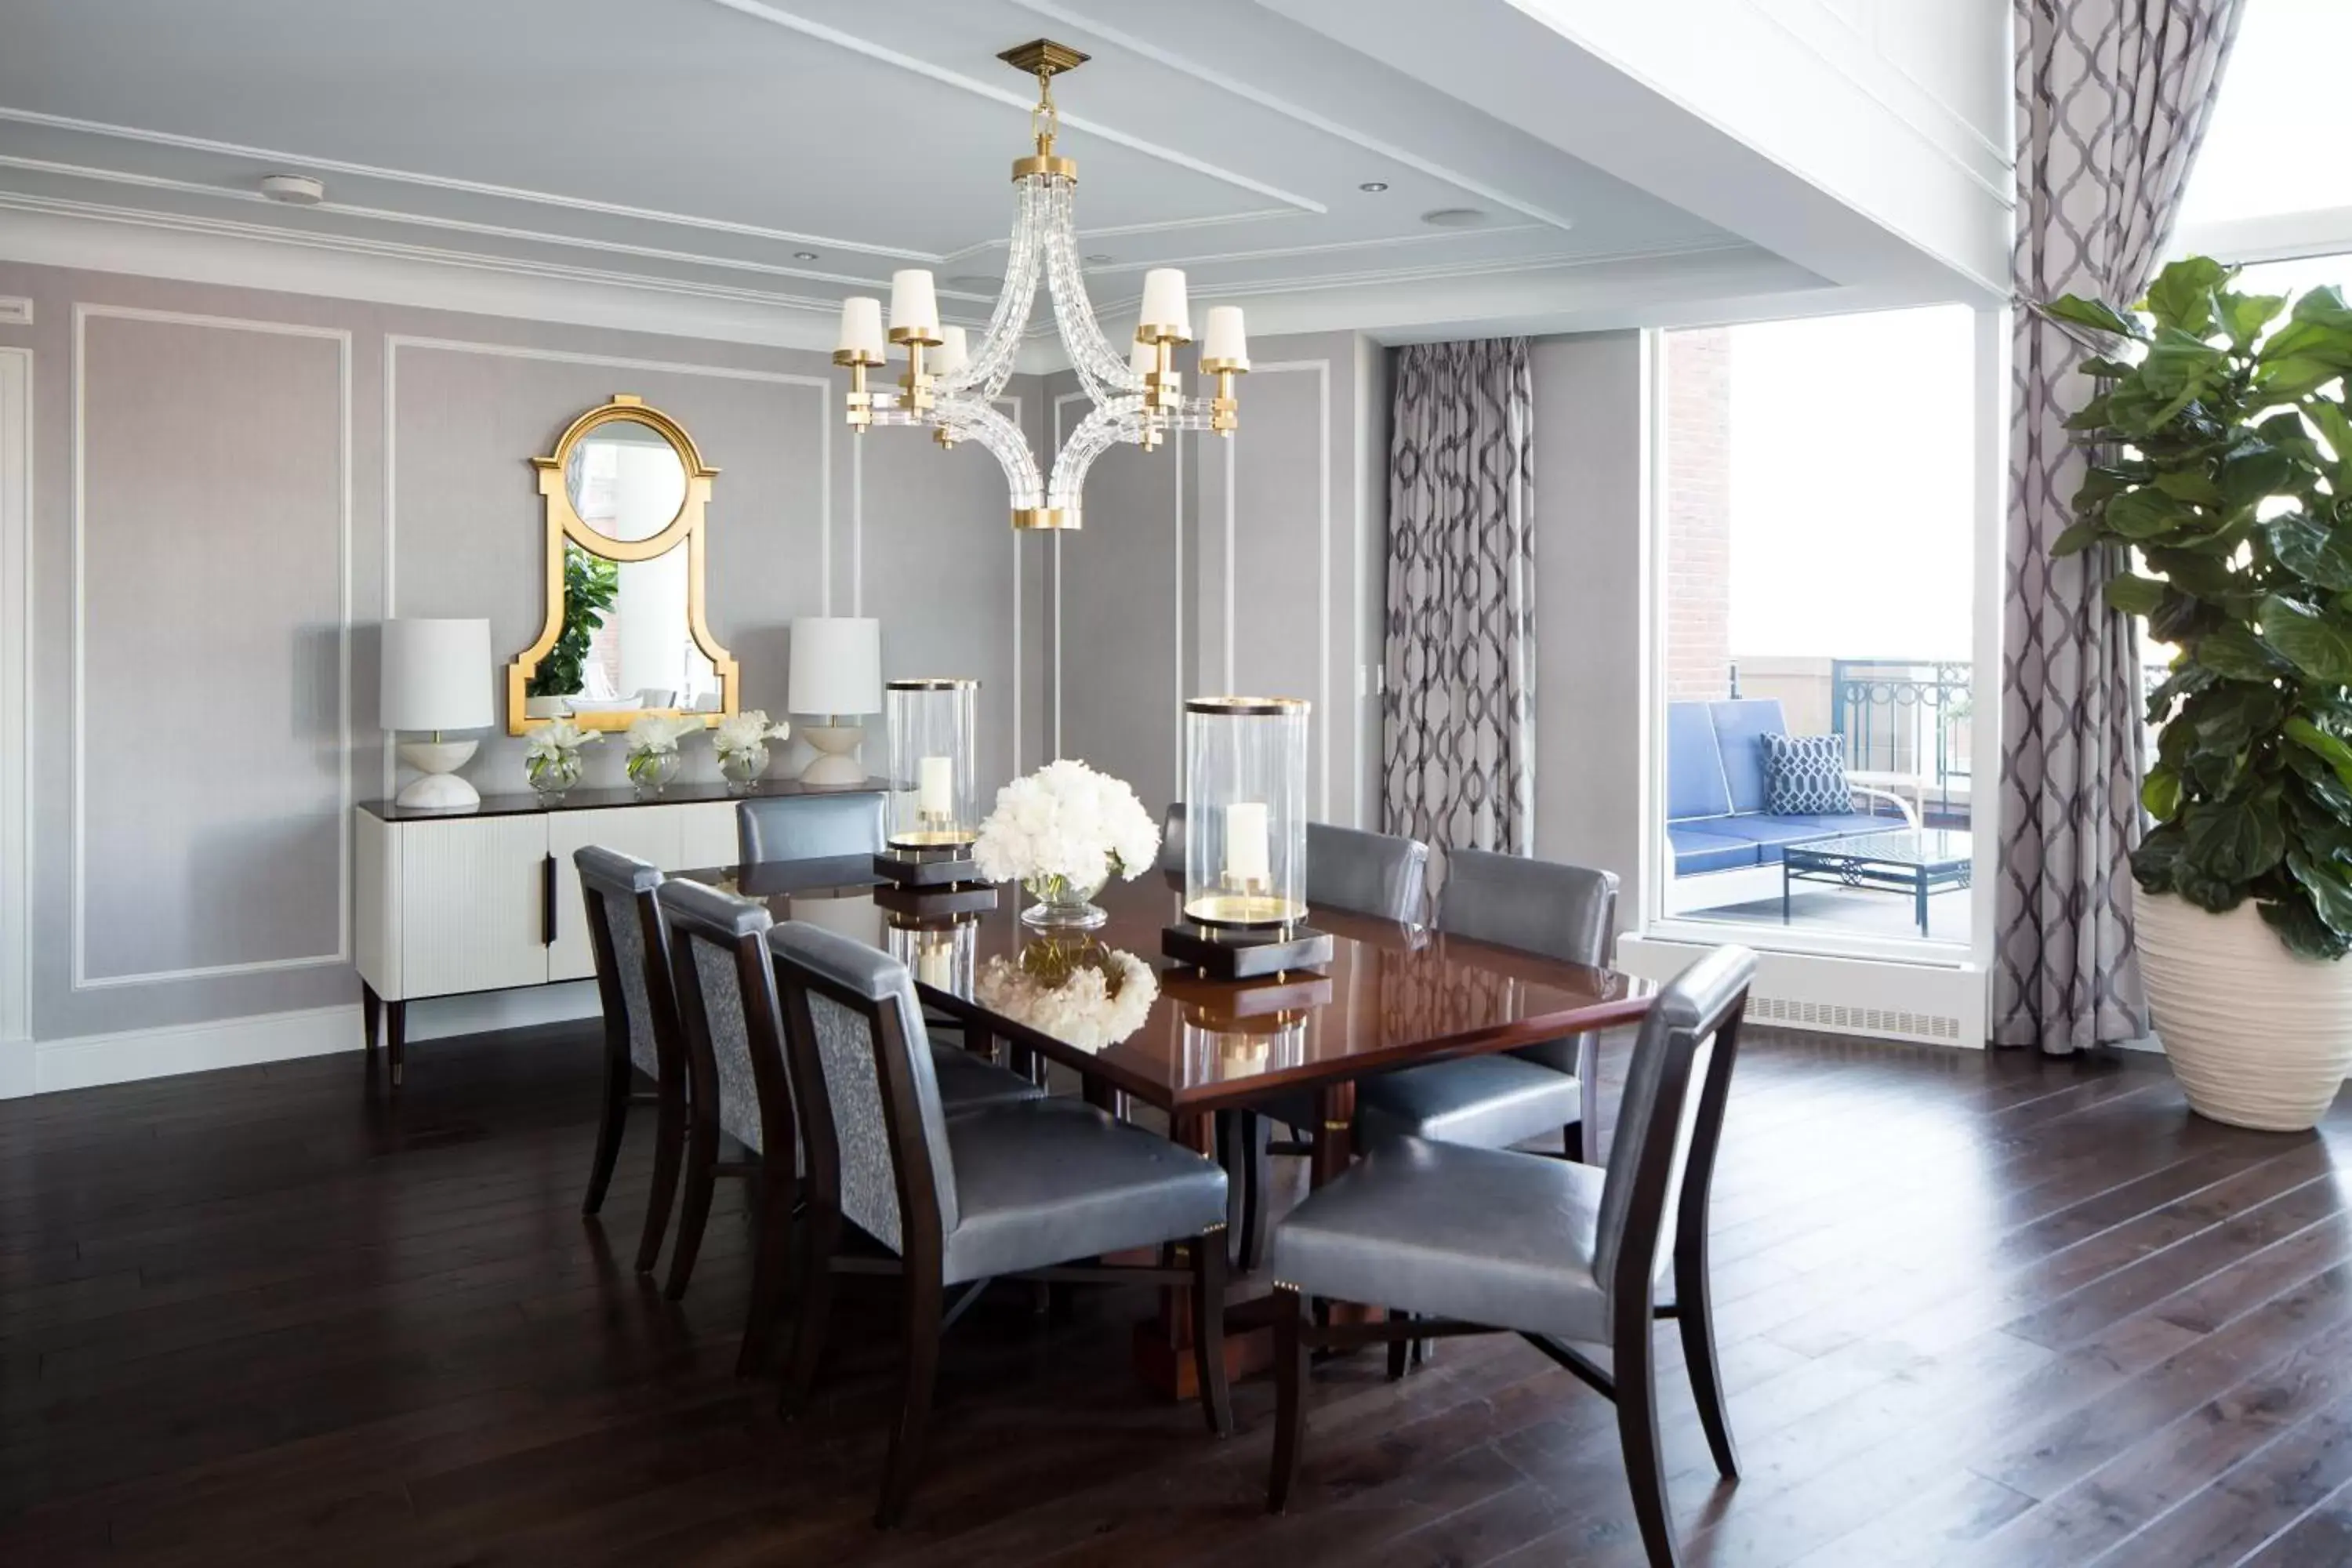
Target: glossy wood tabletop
(1391, 996)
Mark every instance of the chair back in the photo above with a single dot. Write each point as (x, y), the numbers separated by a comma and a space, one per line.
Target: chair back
(626, 932)
(1172, 838)
(1568, 912)
(1368, 873)
(1668, 1123)
(727, 1012)
(877, 1137)
(809, 826)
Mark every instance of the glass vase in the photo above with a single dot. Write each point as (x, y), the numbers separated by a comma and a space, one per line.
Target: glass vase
(553, 776)
(742, 769)
(1062, 904)
(651, 772)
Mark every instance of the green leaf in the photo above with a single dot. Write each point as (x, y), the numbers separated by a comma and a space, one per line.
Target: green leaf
(2244, 315)
(2330, 894)
(2300, 927)
(2229, 718)
(2148, 513)
(2182, 294)
(2103, 369)
(2159, 855)
(2077, 538)
(2321, 744)
(2091, 314)
(2234, 840)
(2134, 596)
(2191, 486)
(2236, 654)
(2160, 794)
(2318, 643)
(2314, 550)
(2297, 375)
(2252, 474)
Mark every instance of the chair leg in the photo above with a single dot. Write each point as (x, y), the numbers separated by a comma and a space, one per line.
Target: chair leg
(1209, 1330)
(609, 1123)
(1694, 1315)
(669, 1149)
(1400, 1350)
(694, 1211)
(771, 1266)
(1242, 1137)
(822, 1235)
(1634, 1372)
(1289, 1394)
(1585, 1147)
(924, 1297)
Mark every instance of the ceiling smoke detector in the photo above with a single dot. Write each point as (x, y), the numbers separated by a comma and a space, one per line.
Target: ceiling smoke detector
(1453, 217)
(294, 190)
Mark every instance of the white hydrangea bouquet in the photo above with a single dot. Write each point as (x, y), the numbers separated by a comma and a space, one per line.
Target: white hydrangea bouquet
(1062, 832)
(653, 759)
(551, 757)
(1078, 990)
(741, 741)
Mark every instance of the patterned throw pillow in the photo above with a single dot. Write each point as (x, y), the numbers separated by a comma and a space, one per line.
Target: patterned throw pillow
(1804, 775)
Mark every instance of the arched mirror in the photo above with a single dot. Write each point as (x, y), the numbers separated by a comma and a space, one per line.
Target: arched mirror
(624, 635)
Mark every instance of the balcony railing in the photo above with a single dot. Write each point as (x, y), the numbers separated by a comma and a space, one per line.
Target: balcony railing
(1909, 716)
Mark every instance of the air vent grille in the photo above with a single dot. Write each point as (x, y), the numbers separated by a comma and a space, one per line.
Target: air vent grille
(1884, 1022)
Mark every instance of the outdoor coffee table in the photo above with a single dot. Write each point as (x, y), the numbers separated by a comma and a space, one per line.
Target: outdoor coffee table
(1918, 861)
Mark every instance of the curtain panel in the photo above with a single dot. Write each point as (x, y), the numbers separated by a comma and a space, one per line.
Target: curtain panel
(1457, 714)
(2112, 98)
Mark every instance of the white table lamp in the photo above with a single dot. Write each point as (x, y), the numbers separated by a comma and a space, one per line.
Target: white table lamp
(836, 672)
(436, 676)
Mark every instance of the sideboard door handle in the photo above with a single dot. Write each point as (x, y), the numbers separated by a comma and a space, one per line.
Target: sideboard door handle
(547, 902)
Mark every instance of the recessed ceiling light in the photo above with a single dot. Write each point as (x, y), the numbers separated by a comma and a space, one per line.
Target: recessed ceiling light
(1373, 188)
(296, 190)
(804, 256)
(1096, 259)
(1453, 217)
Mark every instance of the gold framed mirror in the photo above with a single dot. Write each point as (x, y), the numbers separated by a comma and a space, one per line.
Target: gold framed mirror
(625, 634)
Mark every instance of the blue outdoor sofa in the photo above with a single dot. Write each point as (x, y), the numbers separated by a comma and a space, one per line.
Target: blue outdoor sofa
(1717, 825)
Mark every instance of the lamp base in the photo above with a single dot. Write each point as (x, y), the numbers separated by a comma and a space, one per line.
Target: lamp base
(837, 762)
(439, 787)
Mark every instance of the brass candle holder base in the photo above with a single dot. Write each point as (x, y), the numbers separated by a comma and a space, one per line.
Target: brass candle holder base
(1225, 954)
(927, 865)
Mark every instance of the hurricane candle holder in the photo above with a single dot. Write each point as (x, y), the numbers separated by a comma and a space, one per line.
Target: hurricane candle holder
(1246, 837)
(939, 953)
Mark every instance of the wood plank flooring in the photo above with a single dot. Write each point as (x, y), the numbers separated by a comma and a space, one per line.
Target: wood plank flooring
(1978, 1309)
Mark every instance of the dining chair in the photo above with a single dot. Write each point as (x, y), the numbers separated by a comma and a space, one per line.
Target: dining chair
(809, 826)
(728, 1022)
(1171, 839)
(963, 1197)
(1471, 1240)
(630, 941)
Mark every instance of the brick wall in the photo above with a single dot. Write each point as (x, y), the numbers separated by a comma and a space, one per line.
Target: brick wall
(1698, 513)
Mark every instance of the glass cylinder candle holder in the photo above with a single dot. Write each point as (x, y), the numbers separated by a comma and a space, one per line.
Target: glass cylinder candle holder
(932, 724)
(943, 954)
(1245, 812)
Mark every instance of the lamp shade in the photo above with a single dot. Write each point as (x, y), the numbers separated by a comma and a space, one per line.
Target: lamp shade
(836, 665)
(436, 674)
(861, 328)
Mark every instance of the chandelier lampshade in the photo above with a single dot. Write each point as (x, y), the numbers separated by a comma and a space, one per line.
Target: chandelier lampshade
(952, 383)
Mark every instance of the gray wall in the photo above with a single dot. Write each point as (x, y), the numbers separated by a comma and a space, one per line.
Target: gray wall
(1591, 463)
(263, 477)
(1243, 564)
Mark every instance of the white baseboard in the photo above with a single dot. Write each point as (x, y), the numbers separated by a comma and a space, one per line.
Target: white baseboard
(88, 1061)
(1919, 1002)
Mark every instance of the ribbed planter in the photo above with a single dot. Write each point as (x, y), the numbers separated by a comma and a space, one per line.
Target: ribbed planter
(2258, 1036)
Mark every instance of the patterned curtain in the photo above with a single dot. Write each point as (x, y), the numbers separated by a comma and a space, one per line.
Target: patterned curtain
(2113, 97)
(1457, 752)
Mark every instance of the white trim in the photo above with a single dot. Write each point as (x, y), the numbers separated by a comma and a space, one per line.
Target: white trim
(15, 700)
(1992, 414)
(2273, 236)
(88, 1061)
(1060, 402)
(1899, 1000)
(1322, 368)
(76, 889)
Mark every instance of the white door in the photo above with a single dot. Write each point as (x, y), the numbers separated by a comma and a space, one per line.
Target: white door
(471, 896)
(648, 832)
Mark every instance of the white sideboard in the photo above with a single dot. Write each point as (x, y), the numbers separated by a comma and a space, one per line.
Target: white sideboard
(453, 903)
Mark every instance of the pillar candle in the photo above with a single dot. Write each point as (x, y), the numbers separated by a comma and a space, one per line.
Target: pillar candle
(935, 787)
(1246, 842)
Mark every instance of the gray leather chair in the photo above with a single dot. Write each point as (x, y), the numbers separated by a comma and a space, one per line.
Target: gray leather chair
(1488, 1240)
(809, 826)
(630, 940)
(965, 1197)
(1493, 1102)
(1171, 839)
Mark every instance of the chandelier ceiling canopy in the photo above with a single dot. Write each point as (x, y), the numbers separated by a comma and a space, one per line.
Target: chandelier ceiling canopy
(951, 386)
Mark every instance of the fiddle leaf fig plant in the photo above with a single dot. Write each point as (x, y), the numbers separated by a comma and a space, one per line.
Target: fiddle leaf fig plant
(591, 583)
(2222, 459)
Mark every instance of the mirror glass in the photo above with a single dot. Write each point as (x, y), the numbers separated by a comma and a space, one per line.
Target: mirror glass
(626, 641)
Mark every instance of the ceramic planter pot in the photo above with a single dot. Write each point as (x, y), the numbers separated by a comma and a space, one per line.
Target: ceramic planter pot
(2258, 1036)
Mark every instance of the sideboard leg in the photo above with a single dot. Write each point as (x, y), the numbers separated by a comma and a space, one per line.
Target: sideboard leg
(370, 1018)
(395, 1019)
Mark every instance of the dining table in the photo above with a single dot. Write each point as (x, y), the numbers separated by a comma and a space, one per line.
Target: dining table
(1393, 996)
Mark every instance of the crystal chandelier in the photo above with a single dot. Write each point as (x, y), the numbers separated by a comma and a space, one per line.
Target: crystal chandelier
(951, 387)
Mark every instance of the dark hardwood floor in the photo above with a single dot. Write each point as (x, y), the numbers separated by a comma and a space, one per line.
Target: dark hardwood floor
(1979, 1309)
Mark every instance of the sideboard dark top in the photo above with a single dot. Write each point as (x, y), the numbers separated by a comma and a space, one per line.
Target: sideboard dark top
(605, 799)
